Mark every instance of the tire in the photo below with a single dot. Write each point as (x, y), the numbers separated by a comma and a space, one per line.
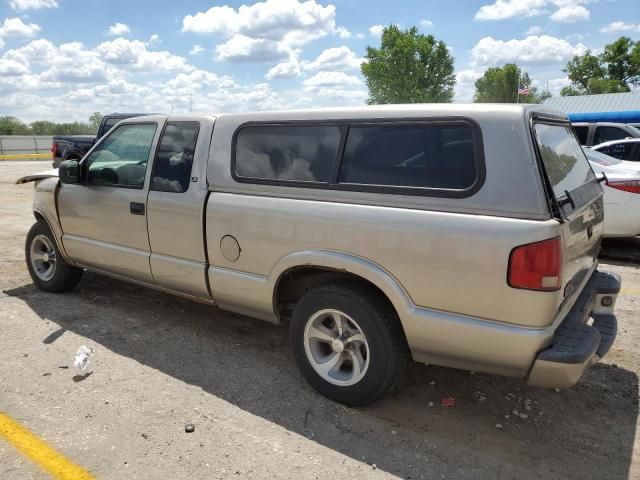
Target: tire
(48, 269)
(381, 351)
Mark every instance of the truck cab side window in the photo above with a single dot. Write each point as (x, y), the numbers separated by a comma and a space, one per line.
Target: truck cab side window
(121, 159)
(174, 157)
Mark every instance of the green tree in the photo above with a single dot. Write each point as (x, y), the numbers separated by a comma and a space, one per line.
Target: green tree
(500, 85)
(581, 69)
(622, 59)
(74, 128)
(94, 120)
(13, 126)
(408, 68)
(43, 127)
(616, 70)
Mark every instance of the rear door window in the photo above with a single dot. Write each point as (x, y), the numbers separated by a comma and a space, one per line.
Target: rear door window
(608, 134)
(422, 156)
(174, 157)
(566, 166)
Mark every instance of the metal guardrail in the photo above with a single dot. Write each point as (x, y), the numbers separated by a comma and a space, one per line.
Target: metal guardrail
(21, 144)
(25, 147)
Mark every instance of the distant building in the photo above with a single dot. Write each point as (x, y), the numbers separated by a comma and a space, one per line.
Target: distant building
(608, 107)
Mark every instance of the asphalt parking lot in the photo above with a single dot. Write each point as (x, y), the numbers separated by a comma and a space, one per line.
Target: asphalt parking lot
(161, 362)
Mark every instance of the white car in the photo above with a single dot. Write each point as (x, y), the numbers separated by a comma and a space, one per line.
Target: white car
(621, 194)
(626, 149)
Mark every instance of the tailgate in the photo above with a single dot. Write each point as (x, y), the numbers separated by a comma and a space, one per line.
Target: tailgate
(575, 196)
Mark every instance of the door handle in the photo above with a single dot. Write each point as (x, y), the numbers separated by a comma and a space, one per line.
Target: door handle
(136, 208)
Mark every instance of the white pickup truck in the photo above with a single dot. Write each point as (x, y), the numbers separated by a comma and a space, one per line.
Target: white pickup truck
(458, 235)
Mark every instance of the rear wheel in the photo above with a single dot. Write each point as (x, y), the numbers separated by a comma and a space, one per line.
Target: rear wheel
(348, 343)
(49, 271)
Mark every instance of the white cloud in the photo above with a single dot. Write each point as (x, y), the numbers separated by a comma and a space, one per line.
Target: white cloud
(571, 14)
(222, 21)
(531, 49)
(241, 48)
(336, 88)
(426, 23)
(503, 9)
(621, 27)
(534, 30)
(288, 69)
(343, 32)
(118, 29)
(376, 30)
(154, 40)
(135, 55)
(329, 79)
(196, 50)
(15, 27)
(289, 21)
(12, 68)
(566, 11)
(196, 80)
(336, 59)
(36, 51)
(466, 85)
(22, 5)
(556, 84)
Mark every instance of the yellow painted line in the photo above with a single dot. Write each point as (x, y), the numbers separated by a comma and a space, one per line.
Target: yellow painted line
(28, 156)
(50, 460)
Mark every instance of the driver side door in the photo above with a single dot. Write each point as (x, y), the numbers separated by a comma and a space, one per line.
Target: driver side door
(103, 217)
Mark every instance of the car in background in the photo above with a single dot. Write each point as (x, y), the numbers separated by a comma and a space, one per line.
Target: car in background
(73, 147)
(594, 133)
(621, 194)
(627, 149)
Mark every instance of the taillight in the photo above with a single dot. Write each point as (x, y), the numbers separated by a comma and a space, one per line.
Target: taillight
(54, 148)
(632, 186)
(536, 266)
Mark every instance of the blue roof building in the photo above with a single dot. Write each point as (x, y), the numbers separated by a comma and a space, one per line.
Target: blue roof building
(608, 107)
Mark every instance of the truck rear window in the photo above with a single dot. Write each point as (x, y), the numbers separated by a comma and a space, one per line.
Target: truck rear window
(563, 158)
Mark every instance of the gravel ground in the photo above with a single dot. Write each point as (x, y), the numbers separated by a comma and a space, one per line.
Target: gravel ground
(161, 362)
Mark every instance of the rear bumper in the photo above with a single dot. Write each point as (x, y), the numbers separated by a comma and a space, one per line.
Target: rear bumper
(576, 343)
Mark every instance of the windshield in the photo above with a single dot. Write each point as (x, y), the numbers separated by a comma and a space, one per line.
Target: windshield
(600, 158)
(563, 158)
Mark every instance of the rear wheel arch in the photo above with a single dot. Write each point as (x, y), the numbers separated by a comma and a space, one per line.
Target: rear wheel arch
(296, 281)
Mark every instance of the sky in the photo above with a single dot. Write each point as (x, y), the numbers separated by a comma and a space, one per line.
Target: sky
(61, 60)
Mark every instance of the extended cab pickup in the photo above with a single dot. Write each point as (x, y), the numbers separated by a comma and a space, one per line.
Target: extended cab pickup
(74, 147)
(379, 234)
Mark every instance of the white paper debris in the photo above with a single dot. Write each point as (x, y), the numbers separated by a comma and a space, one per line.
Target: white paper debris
(82, 358)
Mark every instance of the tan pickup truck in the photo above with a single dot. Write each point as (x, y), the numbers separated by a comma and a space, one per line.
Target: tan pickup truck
(457, 235)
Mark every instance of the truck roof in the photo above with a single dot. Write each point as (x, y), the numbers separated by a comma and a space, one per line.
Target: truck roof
(381, 111)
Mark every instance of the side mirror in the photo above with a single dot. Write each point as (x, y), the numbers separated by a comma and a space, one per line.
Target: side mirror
(69, 171)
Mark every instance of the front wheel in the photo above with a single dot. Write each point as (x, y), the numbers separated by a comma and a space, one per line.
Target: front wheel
(348, 342)
(49, 271)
